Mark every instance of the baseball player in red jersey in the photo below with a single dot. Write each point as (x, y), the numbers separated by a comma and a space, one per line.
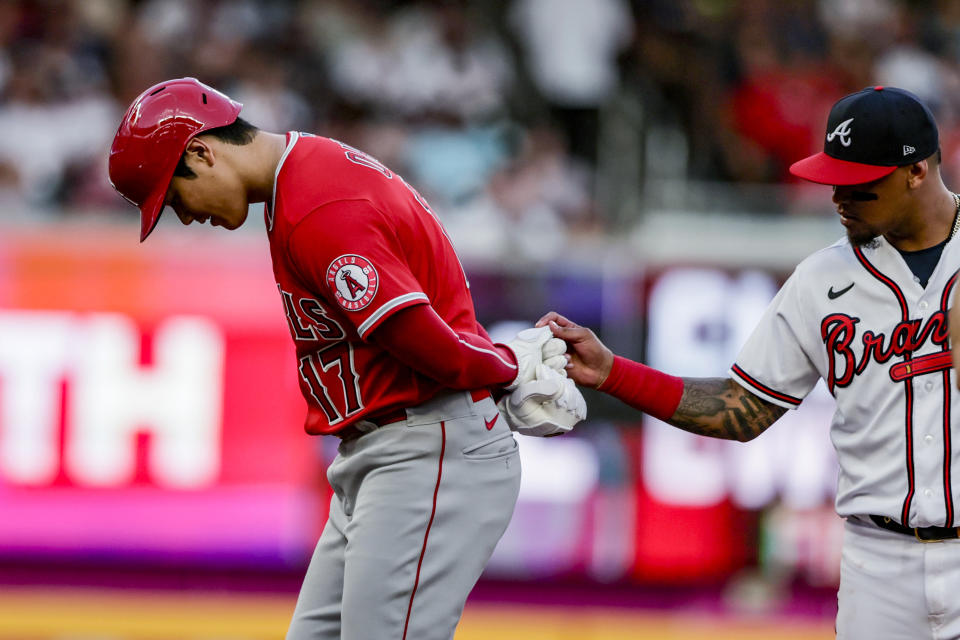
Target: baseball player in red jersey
(868, 315)
(390, 356)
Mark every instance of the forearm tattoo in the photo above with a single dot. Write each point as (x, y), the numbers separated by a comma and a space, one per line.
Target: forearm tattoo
(720, 408)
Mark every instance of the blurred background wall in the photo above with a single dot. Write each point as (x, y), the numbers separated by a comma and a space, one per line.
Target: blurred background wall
(622, 162)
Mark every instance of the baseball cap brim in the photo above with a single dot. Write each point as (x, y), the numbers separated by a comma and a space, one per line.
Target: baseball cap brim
(825, 169)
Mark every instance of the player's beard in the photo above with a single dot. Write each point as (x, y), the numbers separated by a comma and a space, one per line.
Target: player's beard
(863, 240)
(862, 237)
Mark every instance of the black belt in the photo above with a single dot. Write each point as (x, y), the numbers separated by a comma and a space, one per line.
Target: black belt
(923, 534)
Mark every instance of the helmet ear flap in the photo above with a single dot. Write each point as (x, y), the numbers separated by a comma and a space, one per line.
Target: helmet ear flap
(153, 135)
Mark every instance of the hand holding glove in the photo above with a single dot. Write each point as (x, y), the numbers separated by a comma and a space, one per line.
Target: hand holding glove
(533, 347)
(548, 405)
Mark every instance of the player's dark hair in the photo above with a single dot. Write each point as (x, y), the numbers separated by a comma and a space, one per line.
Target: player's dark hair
(239, 132)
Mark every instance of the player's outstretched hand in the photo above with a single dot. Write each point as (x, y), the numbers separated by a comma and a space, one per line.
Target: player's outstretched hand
(590, 360)
(549, 405)
(533, 347)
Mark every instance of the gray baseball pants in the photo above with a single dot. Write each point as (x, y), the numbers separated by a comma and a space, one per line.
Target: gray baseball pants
(418, 508)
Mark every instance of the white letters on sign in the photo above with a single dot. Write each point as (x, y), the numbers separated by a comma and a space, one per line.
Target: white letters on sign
(111, 398)
(34, 358)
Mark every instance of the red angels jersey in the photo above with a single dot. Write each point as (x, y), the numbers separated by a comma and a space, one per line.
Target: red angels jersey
(858, 319)
(352, 244)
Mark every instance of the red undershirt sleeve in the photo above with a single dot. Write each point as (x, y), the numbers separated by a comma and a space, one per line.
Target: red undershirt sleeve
(483, 333)
(458, 360)
(649, 390)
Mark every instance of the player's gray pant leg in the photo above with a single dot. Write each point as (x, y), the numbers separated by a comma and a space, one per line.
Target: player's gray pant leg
(424, 503)
(475, 501)
(317, 614)
(942, 562)
(893, 587)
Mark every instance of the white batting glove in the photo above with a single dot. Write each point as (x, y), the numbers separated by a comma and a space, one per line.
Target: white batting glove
(533, 347)
(549, 405)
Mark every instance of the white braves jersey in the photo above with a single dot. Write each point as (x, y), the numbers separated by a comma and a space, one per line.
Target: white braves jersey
(858, 319)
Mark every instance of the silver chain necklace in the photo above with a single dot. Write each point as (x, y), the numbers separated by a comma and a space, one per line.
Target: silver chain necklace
(956, 215)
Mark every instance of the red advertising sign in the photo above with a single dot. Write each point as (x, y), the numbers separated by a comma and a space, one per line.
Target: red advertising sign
(149, 408)
(148, 402)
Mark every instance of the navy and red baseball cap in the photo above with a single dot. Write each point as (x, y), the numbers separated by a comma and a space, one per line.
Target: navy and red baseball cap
(869, 134)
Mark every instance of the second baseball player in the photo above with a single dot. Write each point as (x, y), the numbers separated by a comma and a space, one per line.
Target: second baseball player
(867, 315)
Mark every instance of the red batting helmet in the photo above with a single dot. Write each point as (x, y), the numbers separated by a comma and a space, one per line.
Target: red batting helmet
(153, 136)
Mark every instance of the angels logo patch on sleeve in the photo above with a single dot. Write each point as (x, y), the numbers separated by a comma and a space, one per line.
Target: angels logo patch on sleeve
(353, 281)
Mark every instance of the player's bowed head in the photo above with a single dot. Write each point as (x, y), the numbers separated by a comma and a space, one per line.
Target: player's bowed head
(182, 144)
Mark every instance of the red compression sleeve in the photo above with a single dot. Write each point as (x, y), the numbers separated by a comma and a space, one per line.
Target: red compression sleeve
(458, 360)
(483, 333)
(644, 388)
(497, 392)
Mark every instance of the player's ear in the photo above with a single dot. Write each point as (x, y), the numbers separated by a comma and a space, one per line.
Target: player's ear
(200, 150)
(917, 172)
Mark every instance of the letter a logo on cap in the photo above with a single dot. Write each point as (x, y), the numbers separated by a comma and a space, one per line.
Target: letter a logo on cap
(842, 130)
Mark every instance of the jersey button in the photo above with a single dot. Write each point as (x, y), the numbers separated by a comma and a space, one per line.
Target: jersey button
(928, 386)
(928, 439)
(916, 279)
(928, 492)
(924, 304)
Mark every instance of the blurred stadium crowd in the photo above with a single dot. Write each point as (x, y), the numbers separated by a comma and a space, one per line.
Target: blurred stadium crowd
(506, 113)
